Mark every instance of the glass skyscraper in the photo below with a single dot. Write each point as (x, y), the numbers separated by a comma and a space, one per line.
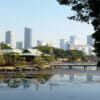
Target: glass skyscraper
(28, 38)
(73, 40)
(90, 40)
(9, 39)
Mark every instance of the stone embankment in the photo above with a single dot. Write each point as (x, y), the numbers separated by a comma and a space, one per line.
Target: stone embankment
(26, 68)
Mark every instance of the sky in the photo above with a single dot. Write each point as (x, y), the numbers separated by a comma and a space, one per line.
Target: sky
(47, 19)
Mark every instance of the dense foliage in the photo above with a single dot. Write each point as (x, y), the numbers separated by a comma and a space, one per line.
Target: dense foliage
(96, 35)
(77, 53)
(86, 10)
(59, 53)
(11, 58)
(40, 62)
(4, 46)
(47, 50)
(2, 61)
(48, 59)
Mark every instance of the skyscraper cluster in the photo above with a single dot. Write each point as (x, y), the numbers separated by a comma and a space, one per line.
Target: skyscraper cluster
(73, 44)
(9, 39)
(64, 43)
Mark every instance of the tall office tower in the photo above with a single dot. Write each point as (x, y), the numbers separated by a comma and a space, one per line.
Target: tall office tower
(28, 38)
(90, 40)
(64, 44)
(73, 40)
(39, 42)
(10, 38)
(19, 44)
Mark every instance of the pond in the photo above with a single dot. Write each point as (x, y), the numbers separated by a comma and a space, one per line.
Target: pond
(56, 84)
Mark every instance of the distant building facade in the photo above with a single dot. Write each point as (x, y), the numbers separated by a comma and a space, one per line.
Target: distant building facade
(49, 44)
(64, 44)
(39, 42)
(90, 40)
(19, 44)
(28, 38)
(73, 40)
(86, 49)
(9, 39)
(42, 43)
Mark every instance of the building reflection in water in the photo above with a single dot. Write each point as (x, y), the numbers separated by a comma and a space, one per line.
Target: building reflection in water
(50, 80)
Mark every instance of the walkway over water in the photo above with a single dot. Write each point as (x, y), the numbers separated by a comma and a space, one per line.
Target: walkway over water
(74, 64)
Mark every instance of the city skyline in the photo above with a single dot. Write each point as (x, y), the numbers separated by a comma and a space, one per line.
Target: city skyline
(70, 43)
(73, 44)
(47, 19)
(70, 39)
(34, 42)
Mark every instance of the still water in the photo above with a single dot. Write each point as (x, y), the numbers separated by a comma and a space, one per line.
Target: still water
(57, 84)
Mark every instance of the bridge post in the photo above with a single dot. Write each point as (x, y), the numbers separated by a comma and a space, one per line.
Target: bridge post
(98, 68)
(70, 67)
(85, 68)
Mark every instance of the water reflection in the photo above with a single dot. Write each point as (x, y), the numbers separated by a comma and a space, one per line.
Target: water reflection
(58, 84)
(27, 81)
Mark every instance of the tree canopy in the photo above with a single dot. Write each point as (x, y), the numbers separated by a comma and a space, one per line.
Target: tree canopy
(4, 46)
(96, 35)
(78, 53)
(59, 53)
(47, 50)
(86, 11)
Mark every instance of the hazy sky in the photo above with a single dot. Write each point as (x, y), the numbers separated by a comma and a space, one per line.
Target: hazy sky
(47, 19)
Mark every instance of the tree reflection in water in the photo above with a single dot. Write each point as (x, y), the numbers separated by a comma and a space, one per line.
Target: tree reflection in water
(23, 80)
(14, 83)
(28, 80)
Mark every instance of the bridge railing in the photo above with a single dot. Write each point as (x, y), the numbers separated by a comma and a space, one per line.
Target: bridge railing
(74, 63)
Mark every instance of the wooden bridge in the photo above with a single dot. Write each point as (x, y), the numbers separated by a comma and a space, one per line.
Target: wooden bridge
(73, 64)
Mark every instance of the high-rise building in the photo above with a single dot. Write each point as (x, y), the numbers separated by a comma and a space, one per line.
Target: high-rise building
(39, 42)
(9, 39)
(73, 40)
(90, 40)
(28, 38)
(19, 44)
(64, 44)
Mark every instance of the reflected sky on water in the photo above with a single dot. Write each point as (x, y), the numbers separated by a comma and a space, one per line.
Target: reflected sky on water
(59, 84)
